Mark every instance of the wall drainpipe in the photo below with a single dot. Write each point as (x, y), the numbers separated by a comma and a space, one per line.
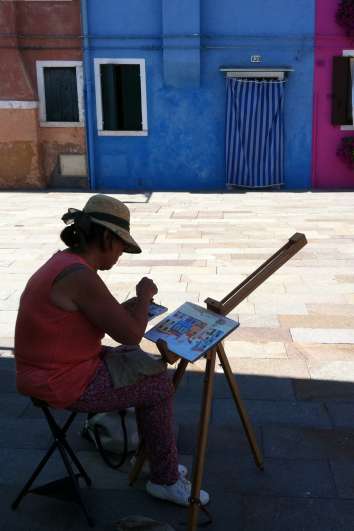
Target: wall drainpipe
(90, 131)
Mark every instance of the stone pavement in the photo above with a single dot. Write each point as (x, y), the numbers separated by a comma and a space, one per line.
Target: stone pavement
(293, 357)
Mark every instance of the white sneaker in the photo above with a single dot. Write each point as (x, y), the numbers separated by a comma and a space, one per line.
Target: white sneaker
(182, 470)
(179, 492)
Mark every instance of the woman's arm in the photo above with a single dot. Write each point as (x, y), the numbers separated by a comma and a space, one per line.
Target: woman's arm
(89, 294)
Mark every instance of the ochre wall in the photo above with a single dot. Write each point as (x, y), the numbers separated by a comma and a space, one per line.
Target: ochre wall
(14, 81)
(28, 152)
(58, 140)
(19, 149)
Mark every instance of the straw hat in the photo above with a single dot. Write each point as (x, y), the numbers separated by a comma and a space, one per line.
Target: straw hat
(111, 213)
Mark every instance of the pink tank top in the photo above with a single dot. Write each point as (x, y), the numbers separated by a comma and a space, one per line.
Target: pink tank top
(57, 352)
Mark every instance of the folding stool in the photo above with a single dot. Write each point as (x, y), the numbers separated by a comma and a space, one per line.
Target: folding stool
(69, 459)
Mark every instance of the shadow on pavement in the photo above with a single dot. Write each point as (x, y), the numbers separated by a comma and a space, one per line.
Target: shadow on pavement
(305, 429)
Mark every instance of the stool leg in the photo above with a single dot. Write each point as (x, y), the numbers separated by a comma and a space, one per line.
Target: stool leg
(60, 435)
(74, 480)
(37, 471)
(76, 461)
(66, 452)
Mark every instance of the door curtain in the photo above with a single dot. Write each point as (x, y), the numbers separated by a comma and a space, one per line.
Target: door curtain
(255, 133)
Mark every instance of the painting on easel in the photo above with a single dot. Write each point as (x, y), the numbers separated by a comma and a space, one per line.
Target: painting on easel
(191, 331)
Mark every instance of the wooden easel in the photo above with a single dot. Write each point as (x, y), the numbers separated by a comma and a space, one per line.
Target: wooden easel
(223, 307)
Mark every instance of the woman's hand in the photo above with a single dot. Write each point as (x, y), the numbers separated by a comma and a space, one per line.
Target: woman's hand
(146, 289)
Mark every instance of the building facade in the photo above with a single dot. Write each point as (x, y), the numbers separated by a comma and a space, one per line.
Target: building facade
(174, 94)
(333, 116)
(157, 107)
(42, 134)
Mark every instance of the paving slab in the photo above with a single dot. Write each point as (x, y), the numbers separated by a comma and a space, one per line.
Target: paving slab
(260, 334)
(39, 513)
(287, 442)
(109, 506)
(35, 513)
(320, 335)
(7, 380)
(254, 349)
(308, 478)
(295, 514)
(188, 408)
(263, 412)
(252, 320)
(341, 413)
(250, 387)
(317, 321)
(337, 370)
(331, 309)
(325, 390)
(312, 352)
(222, 440)
(24, 433)
(17, 465)
(278, 368)
(7, 360)
(12, 405)
(343, 472)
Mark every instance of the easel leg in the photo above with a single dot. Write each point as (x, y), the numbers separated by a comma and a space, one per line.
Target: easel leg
(178, 375)
(140, 459)
(141, 453)
(198, 466)
(240, 407)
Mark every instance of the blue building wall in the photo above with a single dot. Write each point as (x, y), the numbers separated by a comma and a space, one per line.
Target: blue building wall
(184, 43)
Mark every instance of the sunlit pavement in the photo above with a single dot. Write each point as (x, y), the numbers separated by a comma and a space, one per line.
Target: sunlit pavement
(293, 357)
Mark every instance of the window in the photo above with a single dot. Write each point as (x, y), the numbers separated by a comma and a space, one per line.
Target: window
(121, 97)
(342, 90)
(60, 92)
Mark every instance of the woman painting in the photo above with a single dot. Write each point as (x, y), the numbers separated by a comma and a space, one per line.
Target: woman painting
(64, 312)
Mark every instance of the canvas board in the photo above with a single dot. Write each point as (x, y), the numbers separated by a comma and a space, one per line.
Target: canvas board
(190, 331)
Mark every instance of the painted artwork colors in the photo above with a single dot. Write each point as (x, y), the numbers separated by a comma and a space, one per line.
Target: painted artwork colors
(155, 310)
(190, 331)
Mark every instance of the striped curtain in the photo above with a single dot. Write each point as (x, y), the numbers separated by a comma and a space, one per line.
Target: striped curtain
(255, 133)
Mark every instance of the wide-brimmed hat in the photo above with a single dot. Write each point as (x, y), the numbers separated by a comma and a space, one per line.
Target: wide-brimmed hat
(110, 213)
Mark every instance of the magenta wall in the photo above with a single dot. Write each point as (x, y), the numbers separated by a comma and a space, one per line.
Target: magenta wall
(328, 170)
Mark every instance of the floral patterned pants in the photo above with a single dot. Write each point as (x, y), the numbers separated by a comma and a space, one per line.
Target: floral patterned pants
(152, 397)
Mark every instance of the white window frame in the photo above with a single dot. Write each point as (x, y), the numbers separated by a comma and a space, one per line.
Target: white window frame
(40, 66)
(111, 61)
(347, 53)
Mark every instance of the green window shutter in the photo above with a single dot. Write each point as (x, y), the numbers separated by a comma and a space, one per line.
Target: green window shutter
(342, 92)
(61, 97)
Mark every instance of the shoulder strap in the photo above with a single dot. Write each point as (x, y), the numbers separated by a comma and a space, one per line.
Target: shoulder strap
(104, 454)
(70, 269)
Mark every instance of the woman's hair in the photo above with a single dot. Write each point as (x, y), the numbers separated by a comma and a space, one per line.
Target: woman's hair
(79, 239)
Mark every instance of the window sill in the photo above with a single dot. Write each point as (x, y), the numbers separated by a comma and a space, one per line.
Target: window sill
(122, 133)
(61, 124)
(347, 127)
